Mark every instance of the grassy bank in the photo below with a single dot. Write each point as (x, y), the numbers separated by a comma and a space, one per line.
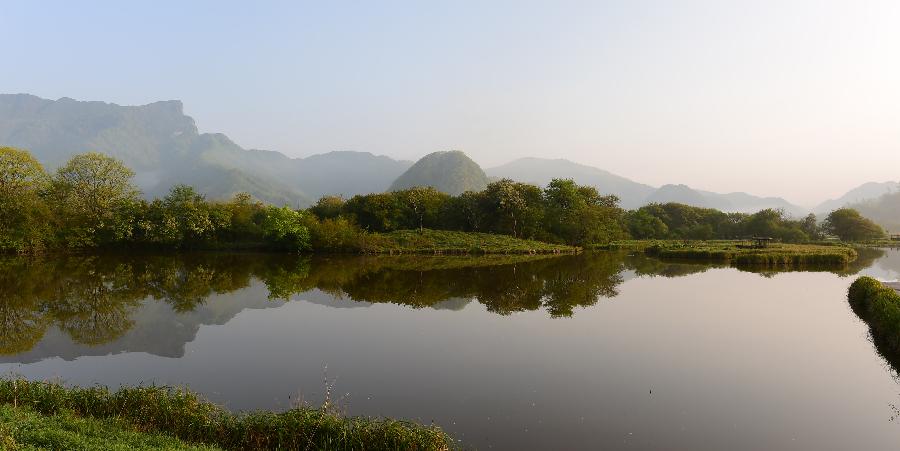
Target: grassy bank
(451, 242)
(185, 416)
(24, 429)
(879, 306)
(738, 253)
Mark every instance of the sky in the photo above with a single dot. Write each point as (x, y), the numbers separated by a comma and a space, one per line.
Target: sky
(798, 99)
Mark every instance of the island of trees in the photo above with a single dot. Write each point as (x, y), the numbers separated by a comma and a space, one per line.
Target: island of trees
(91, 202)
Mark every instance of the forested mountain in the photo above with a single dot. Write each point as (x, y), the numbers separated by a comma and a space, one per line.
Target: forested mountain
(164, 148)
(451, 172)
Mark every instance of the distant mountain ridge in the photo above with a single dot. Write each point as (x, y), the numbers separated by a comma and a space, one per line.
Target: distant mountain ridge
(164, 147)
(862, 193)
(633, 194)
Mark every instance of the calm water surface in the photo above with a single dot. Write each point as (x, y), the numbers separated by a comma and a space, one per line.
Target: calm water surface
(601, 350)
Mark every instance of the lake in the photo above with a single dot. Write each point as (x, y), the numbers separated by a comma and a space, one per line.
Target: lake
(598, 350)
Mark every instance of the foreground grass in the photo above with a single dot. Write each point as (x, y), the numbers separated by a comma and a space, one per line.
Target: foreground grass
(23, 429)
(879, 306)
(185, 416)
(452, 242)
(738, 253)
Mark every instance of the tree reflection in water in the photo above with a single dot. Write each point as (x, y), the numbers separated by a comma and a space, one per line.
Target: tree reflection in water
(93, 298)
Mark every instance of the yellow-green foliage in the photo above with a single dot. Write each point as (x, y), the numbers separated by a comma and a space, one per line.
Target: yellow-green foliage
(879, 306)
(184, 415)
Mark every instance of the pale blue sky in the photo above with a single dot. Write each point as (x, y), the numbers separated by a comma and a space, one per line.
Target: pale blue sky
(799, 99)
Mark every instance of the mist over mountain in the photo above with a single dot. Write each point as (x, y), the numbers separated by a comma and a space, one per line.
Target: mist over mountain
(451, 172)
(634, 194)
(885, 210)
(862, 193)
(164, 148)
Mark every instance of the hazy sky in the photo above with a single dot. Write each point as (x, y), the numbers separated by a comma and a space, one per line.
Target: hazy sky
(795, 99)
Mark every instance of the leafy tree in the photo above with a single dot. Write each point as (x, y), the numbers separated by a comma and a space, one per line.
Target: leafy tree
(579, 215)
(23, 222)
(328, 207)
(284, 227)
(423, 206)
(91, 193)
(810, 227)
(516, 208)
(848, 225)
(642, 225)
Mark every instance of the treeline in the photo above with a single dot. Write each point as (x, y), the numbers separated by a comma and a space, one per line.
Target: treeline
(679, 221)
(90, 202)
(563, 212)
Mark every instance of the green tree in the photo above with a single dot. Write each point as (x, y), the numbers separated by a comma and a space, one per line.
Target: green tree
(23, 222)
(810, 227)
(284, 228)
(642, 225)
(423, 206)
(515, 208)
(848, 225)
(328, 207)
(91, 196)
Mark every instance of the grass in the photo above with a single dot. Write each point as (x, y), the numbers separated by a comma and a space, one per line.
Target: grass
(452, 242)
(879, 306)
(187, 417)
(738, 253)
(24, 429)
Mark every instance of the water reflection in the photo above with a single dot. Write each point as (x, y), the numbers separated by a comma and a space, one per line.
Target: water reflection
(94, 300)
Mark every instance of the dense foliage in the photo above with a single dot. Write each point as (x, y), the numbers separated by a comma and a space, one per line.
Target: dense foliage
(679, 221)
(91, 202)
(564, 212)
(849, 225)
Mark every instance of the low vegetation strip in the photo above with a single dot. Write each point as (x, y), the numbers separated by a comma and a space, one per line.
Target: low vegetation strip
(452, 242)
(879, 306)
(184, 415)
(739, 253)
(24, 429)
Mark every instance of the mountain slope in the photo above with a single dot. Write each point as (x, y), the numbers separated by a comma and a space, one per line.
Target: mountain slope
(164, 148)
(862, 193)
(633, 194)
(450, 172)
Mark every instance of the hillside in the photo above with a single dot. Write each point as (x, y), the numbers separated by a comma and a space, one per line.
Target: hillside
(862, 193)
(451, 172)
(164, 147)
(885, 210)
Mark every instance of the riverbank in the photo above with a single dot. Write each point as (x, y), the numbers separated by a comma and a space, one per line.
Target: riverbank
(429, 241)
(879, 306)
(739, 253)
(35, 412)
